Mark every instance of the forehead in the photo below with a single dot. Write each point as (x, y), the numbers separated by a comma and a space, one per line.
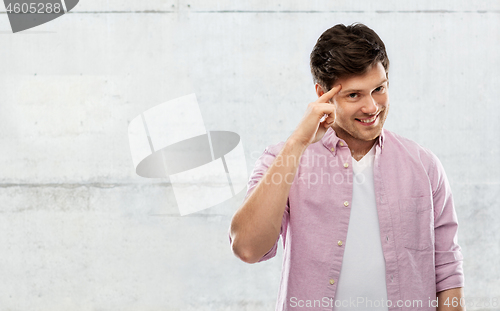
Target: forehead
(372, 78)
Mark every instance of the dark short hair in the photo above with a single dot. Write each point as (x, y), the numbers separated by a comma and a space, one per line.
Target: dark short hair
(344, 51)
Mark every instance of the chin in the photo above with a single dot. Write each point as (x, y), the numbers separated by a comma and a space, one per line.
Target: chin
(368, 136)
(358, 134)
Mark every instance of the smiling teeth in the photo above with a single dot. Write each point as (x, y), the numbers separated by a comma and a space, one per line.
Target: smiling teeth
(369, 120)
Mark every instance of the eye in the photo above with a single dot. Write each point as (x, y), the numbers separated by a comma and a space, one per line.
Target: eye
(353, 95)
(380, 88)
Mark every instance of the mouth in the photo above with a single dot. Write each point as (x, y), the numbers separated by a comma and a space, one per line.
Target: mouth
(368, 121)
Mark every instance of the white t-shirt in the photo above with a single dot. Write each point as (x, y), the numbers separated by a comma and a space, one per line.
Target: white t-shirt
(361, 284)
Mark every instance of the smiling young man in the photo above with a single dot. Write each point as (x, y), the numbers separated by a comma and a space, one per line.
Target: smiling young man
(366, 216)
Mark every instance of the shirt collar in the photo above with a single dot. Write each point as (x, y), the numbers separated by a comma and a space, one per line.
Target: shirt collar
(332, 142)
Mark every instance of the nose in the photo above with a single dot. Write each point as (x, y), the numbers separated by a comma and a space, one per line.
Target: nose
(369, 105)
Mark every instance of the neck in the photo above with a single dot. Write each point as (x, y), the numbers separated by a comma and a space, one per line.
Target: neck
(359, 148)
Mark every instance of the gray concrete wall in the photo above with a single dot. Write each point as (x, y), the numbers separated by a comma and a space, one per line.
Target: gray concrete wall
(80, 231)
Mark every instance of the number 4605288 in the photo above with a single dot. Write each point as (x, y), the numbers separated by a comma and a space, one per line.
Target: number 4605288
(34, 8)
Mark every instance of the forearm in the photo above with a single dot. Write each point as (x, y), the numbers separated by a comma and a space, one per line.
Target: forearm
(255, 227)
(451, 300)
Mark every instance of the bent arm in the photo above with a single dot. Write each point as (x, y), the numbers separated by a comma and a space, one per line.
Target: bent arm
(256, 225)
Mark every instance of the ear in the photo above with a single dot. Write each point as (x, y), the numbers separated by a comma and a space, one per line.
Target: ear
(319, 90)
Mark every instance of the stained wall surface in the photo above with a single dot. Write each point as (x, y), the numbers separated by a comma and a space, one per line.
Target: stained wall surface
(79, 230)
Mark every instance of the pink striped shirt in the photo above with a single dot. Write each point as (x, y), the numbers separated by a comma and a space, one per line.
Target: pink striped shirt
(417, 219)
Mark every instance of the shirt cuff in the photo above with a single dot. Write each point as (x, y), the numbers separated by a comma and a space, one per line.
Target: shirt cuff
(449, 270)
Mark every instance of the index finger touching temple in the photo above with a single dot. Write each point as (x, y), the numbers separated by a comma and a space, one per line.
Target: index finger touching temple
(329, 95)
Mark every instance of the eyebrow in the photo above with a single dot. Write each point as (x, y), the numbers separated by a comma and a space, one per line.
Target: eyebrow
(357, 91)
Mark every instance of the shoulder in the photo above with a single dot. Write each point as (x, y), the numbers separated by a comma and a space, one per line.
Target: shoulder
(265, 159)
(409, 154)
(405, 152)
(406, 147)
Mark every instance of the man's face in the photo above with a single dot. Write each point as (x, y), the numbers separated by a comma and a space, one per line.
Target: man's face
(362, 105)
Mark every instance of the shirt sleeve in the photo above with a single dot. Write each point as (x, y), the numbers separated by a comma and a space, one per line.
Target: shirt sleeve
(261, 167)
(448, 255)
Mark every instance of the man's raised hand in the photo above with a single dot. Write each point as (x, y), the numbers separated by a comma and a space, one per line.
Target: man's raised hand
(312, 128)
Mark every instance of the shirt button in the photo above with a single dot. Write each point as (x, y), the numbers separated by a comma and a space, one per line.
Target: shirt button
(346, 203)
(346, 165)
(341, 143)
(332, 281)
(340, 243)
(333, 149)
